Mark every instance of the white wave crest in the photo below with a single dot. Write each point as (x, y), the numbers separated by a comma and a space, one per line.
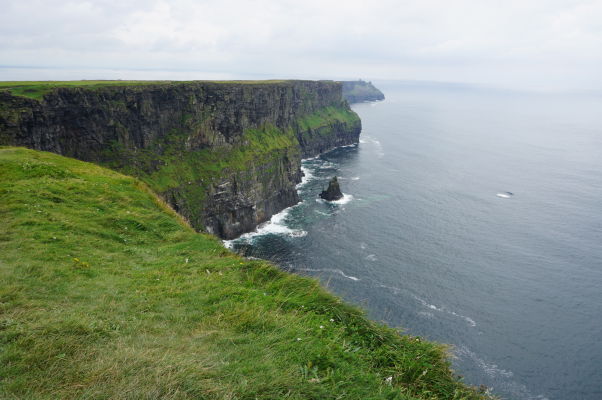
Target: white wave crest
(327, 165)
(344, 200)
(307, 176)
(276, 226)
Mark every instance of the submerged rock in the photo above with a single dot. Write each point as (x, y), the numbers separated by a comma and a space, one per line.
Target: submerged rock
(333, 192)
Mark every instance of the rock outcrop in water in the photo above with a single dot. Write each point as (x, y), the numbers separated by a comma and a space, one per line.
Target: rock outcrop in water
(358, 91)
(225, 155)
(333, 192)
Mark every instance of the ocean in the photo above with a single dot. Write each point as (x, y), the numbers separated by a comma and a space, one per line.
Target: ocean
(471, 217)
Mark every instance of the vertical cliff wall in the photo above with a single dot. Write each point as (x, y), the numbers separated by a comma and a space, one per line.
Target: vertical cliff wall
(226, 155)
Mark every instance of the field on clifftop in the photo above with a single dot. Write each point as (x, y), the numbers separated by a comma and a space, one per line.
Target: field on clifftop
(106, 293)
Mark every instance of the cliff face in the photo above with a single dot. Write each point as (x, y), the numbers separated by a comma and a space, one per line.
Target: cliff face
(358, 91)
(225, 155)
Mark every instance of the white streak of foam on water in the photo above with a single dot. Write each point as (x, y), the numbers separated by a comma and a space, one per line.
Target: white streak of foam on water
(331, 270)
(441, 309)
(517, 389)
(492, 370)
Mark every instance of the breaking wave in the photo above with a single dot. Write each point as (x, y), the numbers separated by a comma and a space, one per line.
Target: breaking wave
(307, 176)
(344, 200)
(275, 226)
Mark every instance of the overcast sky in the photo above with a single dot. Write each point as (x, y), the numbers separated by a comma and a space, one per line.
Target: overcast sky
(519, 43)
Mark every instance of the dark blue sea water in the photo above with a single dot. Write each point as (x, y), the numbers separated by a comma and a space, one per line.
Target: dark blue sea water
(428, 239)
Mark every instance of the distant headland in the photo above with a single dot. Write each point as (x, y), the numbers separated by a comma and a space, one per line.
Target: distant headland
(359, 91)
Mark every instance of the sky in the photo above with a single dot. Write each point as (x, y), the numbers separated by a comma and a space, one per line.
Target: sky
(541, 44)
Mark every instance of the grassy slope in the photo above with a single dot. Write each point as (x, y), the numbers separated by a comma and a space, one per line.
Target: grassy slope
(326, 116)
(106, 293)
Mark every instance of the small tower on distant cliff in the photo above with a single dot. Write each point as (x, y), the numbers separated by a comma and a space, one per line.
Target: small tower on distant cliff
(333, 192)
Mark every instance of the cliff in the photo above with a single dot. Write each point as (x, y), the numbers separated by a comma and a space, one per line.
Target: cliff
(225, 155)
(358, 91)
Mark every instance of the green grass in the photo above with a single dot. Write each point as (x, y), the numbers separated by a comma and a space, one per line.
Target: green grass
(326, 116)
(259, 146)
(107, 294)
(37, 89)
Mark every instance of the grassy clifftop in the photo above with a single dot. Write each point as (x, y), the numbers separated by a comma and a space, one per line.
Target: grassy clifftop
(37, 89)
(107, 293)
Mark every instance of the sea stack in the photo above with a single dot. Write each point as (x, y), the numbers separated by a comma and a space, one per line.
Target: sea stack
(333, 192)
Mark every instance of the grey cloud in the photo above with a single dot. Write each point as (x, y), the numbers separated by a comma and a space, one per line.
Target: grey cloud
(511, 42)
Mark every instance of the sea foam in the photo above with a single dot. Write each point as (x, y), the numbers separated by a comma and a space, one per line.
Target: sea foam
(307, 176)
(276, 226)
(330, 270)
(344, 200)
